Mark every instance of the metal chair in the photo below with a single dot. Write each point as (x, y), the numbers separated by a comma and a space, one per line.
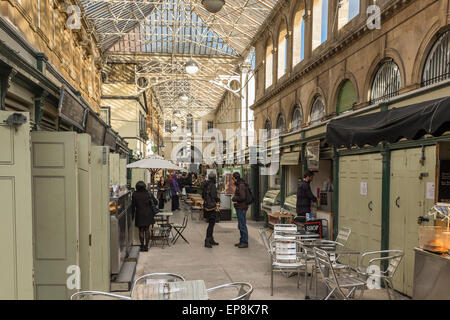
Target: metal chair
(179, 228)
(286, 256)
(389, 258)
(244, 293)
(285, 232)
(265, 239)
(343, 235)
(155, 277)
(83, 295)
(333, 281)
(161, 232)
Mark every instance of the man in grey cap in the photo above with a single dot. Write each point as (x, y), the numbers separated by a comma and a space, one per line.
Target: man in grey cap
(211, 200)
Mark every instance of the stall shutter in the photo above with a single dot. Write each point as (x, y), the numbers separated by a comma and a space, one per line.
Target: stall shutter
(16, 262)
(408, 202)
(55, 212)
(85, 203)
(100, 249)
(360, 211)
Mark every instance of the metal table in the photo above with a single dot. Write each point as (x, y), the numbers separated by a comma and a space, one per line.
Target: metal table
(180, 290)
(309, 244)
(164, 216)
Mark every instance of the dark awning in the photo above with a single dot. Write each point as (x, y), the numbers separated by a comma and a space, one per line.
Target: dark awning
(412, 122)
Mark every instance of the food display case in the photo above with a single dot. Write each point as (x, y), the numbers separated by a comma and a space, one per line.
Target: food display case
(120, 218)
(271, 202)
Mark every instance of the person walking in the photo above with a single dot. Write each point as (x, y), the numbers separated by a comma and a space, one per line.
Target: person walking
(305, 196)
(142, 212)
(162, 192)
(175, 192)
(211, 200)
(241, 206)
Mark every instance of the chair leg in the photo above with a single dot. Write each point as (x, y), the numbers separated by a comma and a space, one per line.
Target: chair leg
(330, 294)
(389, 287)
(271, 281)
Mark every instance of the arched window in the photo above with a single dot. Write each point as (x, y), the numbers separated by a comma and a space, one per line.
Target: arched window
(297, 119)
(348, 9)
(437, 66)
(298, 38)
(346, 96)
(269, 64)
(320, 22)
(386, 82)
(189, 122)
(268, 127)
(317, 110)
(282, 52)
(281, 124)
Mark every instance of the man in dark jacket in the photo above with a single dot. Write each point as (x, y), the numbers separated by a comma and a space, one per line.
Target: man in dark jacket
(211, 200)
(305, 195)
(241, 206)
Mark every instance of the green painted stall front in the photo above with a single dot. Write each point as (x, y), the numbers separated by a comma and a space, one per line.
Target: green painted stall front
(408, 184)
(360, 207)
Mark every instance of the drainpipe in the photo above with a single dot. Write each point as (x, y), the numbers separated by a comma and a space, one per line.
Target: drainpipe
(335, 192)
(385, 197)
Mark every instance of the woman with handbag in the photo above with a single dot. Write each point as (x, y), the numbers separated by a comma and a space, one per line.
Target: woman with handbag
(143, 213)
(162, 192)
(174, 193)
(210, 208)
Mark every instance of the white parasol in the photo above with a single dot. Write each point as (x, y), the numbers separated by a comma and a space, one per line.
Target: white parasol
(154, 163)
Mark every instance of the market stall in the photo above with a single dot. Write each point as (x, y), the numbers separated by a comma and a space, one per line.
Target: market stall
(271, 205)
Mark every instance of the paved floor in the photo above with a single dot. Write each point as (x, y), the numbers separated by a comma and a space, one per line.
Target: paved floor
(225, 263)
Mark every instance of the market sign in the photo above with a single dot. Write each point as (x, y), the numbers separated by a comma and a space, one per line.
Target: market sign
(95, 128)
(312, 155)
(290, 159)
(71, 109)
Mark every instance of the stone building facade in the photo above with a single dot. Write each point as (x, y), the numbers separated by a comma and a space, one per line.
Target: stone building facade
(72, 52)
(353, 52)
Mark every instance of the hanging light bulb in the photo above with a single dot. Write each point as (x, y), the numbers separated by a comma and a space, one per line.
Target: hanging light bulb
(177, 113)
(184, 97)
(191, 67)
(213, 6)
(174, 127)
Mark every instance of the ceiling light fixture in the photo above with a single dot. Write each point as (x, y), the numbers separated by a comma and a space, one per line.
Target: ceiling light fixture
(174, 127)
(213, 6)
(191, 67)
(177, 113)
(184, 97)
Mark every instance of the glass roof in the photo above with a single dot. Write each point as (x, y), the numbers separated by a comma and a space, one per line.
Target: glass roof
(159, 37)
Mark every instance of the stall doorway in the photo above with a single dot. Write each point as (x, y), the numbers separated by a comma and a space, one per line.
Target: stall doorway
(408, 202)
(16, 263)
(360, 201)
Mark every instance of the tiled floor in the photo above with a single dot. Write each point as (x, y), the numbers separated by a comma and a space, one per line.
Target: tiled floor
(225, 263)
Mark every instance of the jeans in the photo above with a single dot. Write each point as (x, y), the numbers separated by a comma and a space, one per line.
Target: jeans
(175, 203)
(242, 225)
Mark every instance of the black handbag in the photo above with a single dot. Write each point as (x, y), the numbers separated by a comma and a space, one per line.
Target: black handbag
(153, 204)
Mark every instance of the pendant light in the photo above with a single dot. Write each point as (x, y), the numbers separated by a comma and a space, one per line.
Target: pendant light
(213, 6)
(184, 97)
(177, 113)
(191, 67)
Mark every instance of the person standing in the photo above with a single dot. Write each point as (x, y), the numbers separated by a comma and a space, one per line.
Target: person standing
(175, 192)
(211, 201)
(241, 206)
(162, 192)
(142, 213)
(305, 195)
